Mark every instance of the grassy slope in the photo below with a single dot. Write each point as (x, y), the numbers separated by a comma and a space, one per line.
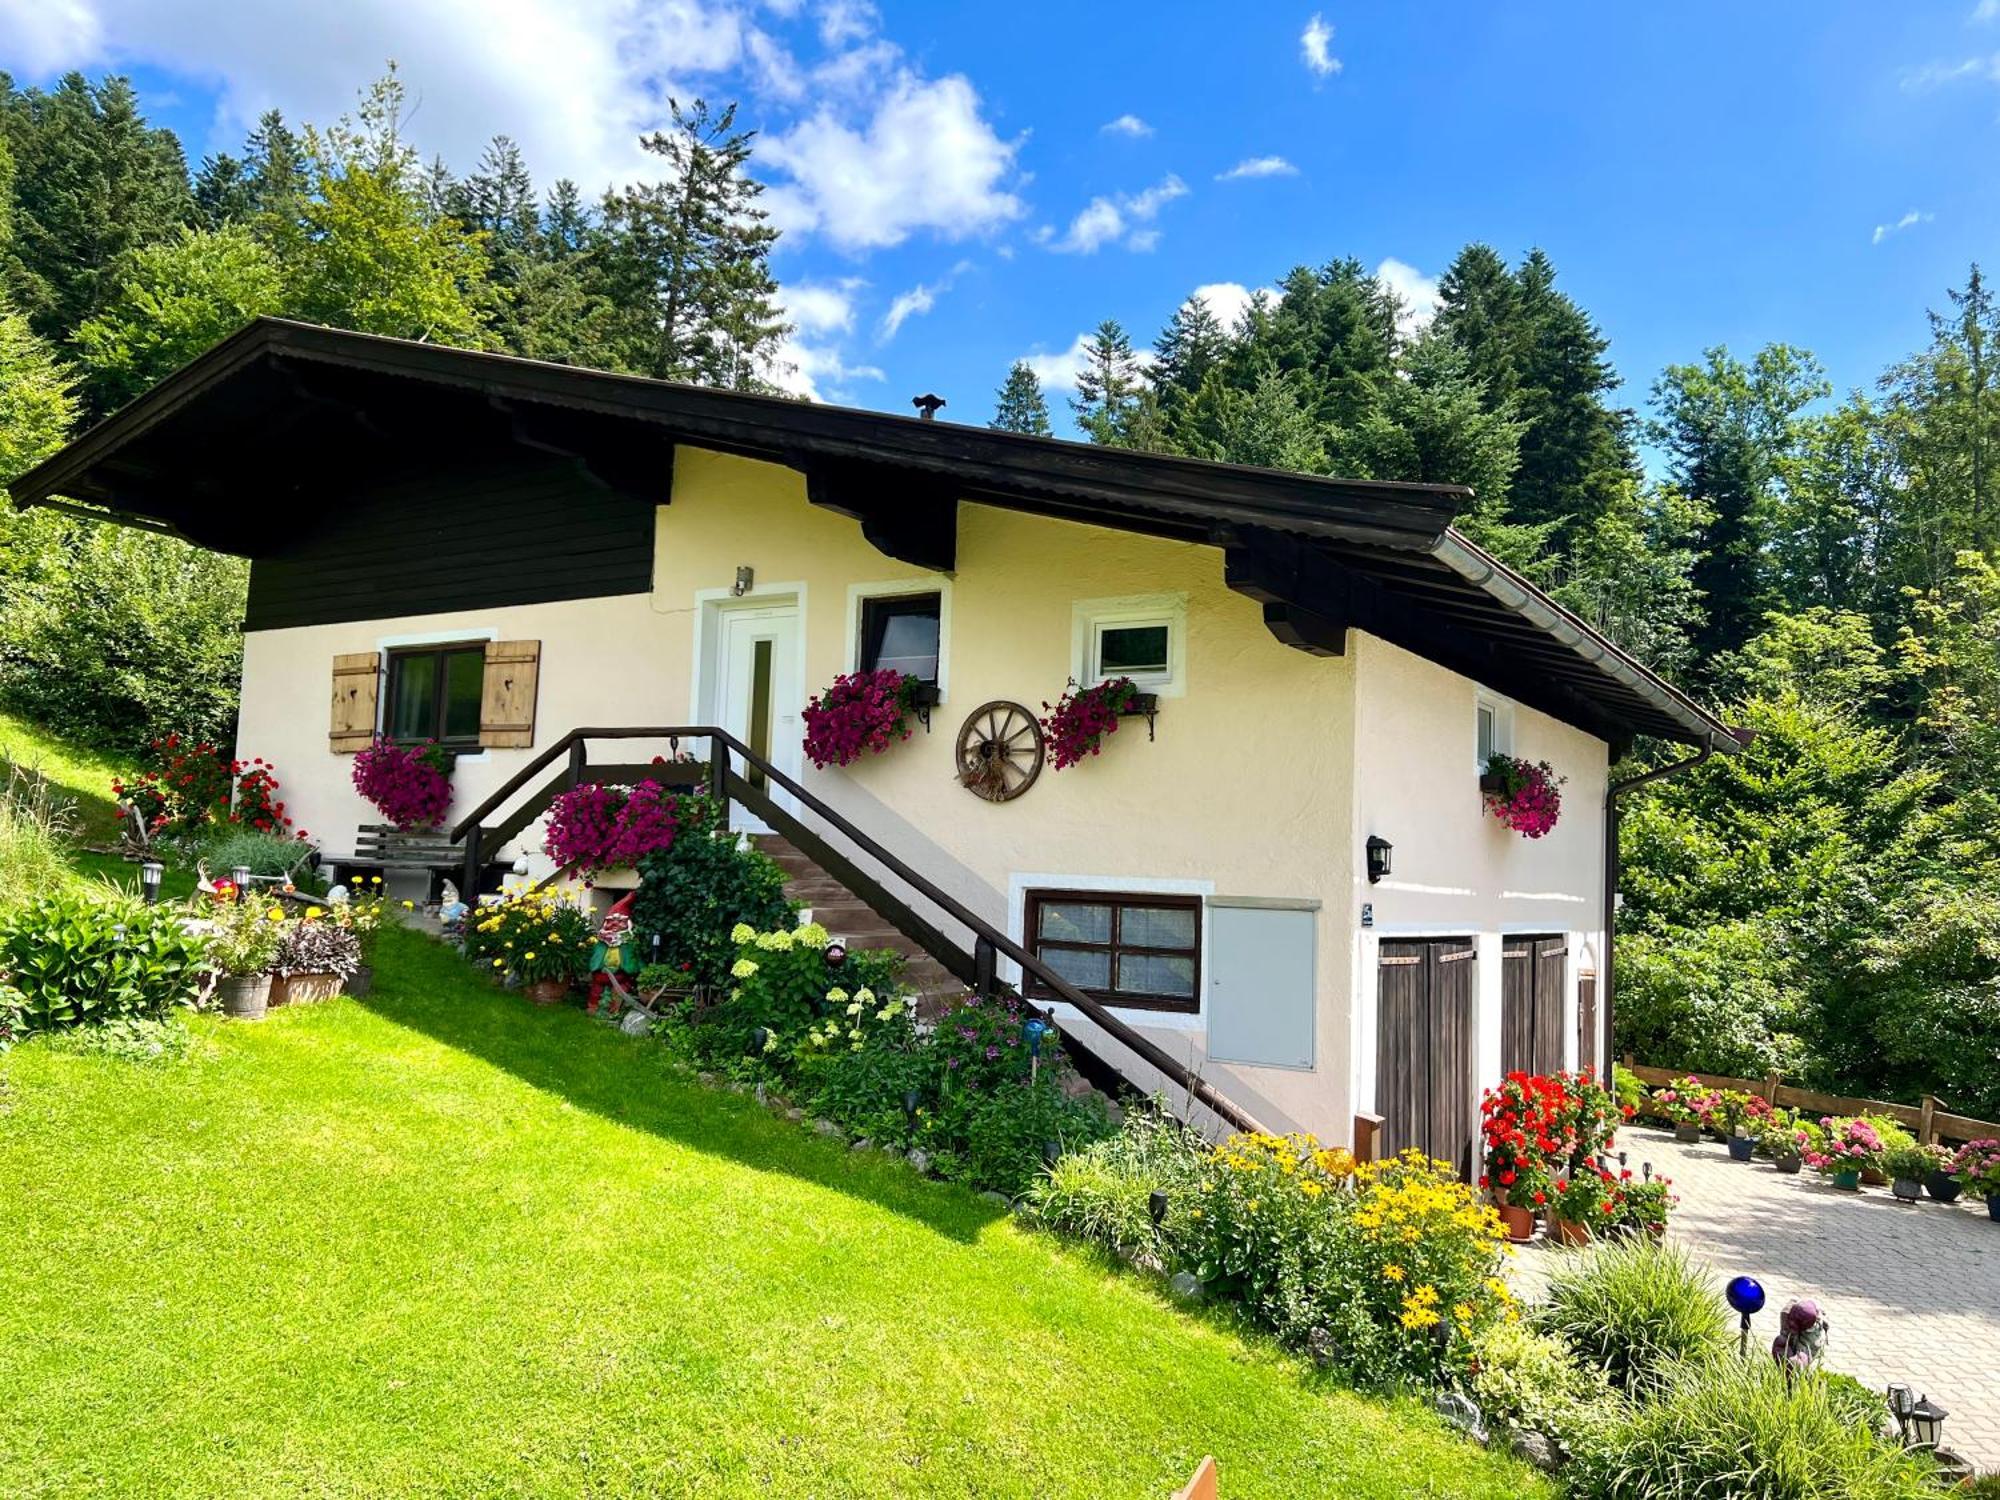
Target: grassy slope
(84, 775)
(438, 1241)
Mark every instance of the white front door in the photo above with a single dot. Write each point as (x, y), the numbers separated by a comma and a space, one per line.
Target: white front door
(757, 692)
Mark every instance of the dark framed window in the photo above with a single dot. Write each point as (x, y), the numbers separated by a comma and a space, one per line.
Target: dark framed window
(900, 632)
(1142, 951)
(434, 694)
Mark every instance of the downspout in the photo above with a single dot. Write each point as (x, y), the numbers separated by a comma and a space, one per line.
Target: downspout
(1612, 792)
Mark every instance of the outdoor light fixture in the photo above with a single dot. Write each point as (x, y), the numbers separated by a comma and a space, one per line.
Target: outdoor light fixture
(1746, 1295)
(1926, 1419)
(150, 874)
(836, 953)
(745, 577)
(1156, 1205)
(1902, 1401)
(241, 877)
(911, 1100)
(1051, 1154)
(760, 1039)
(1378, 857)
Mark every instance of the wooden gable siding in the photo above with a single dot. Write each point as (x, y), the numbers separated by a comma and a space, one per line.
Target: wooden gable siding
(455, 538)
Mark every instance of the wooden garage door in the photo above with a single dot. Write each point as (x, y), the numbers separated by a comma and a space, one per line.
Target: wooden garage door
(1531, 1004)
(1424, 1049)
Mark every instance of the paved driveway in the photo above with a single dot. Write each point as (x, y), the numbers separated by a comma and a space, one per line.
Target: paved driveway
(1911, 1293)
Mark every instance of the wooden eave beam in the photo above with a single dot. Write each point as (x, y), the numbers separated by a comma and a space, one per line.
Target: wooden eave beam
(906, 514)
(1304, 607)
(628, 462)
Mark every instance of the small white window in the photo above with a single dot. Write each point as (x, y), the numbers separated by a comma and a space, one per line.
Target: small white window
(1144, 639)
(904, 625)
(1493, 730)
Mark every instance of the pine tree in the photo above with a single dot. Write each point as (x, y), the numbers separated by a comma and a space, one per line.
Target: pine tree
(222, 191)
(687, 259)
(1020, 406)
(1479, 310)
(276, 169)
(1108, 387)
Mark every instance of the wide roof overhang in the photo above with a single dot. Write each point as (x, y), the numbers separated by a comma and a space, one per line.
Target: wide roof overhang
(283, 415)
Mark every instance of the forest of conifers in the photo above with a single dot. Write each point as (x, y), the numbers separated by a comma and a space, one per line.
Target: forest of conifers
(1819, 565)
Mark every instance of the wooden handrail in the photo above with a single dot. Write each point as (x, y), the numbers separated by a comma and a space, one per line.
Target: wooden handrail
(723, 744)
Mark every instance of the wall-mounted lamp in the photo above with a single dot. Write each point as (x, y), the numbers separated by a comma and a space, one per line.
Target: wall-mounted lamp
(1378, 857)
(745, 577)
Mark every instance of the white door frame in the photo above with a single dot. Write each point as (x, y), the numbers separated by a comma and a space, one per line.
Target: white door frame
(713, 607)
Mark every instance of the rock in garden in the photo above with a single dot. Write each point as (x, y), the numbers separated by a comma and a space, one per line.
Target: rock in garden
(827, 1127)
(1537, 1450)
(864, 1144)
(795, 1113)
(891, 1149)
(1185, 1285)
(763, 1094)
(1461, 1412)
(920, 1159)
(706, 1080)
(1000, 1198)
(635, 1023)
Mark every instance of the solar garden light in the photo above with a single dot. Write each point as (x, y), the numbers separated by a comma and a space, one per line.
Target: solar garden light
(911, 1101)
(1034, 1031)
(1051, 1154)
(1156, 1205)
(150, 875)
(1745, 1295)
(241, 876)
(836, 953)
(1920, 1421)
(759, 1040)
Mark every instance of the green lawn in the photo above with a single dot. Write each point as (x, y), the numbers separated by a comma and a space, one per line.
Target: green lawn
(80, 774)
(440, 1242)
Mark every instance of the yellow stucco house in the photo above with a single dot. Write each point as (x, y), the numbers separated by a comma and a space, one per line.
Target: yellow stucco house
(1280, 888)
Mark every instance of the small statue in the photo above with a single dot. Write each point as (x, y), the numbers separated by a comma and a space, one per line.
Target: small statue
(615, 954)
(1801, 1340)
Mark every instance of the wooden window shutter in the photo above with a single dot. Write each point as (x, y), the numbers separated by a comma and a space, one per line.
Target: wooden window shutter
(356, 682)
(507, 706)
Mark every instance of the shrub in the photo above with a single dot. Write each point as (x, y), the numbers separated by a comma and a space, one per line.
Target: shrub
(1913, 1162)
(593, 827)
(191, 784)
(1002, 1133)
(1104, 1192)
(316, 944)
(259, 852)
(1630, 1306)
(38, 829)
(243, 938)
(1630, 1091)
(1721, 1428)
(862, 711)
(1646, 1205)
(1721, 997)
(1527, 1381)
(692, 895)
(780, 981)
(530, 938)
(71, 957)
(410, 785)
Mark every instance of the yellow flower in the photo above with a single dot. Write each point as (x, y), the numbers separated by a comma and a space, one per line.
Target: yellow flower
(409, 906)
(377, 880)
(313, 911)
(1394, 1272)
(499, 963)
(528, 957)
(743, 968)
(1194, 1213)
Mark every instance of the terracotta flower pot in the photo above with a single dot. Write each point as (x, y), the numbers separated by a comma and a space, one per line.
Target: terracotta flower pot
(1519, 1221)
(245, 997)
(1687, 1135)
(1568, 1232)
(548, 991)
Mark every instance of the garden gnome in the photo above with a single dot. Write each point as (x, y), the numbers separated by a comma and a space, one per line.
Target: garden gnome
(616, 953)
(1801, 1336)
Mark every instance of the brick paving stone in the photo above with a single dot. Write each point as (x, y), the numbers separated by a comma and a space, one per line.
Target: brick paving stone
(1911, 1292)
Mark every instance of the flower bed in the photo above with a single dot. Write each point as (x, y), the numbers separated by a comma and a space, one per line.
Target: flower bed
(410, 785)
(861, 713)
(596, 827)
(192, 784)
(1524, 795)
(532, 939)
(1077, 722)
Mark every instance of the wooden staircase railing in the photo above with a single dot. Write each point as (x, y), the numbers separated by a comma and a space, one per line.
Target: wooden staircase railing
(977, 968)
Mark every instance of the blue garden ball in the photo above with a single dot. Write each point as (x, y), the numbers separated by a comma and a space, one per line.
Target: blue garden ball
(1034, 1031)
(1744, 1294)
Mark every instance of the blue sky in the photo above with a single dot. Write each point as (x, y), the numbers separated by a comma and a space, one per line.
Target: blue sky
(958, 189)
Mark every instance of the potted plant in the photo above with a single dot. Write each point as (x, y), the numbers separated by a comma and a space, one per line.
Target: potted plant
(1783, 1139)
(537, 941)
(1976, 1168)
(1908, 1166)
(1892, 1135)
(316, 956)
(1644, 1206)
(1583, 1205)
(1522, 1128)
(1078, 721)
(1848, 1147)
(242, 945)
(1680, 1104)
(1523, 795)
(863, 712)
(362, 913)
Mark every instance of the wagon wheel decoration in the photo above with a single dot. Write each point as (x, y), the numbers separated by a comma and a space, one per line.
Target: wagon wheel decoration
(1000, 751)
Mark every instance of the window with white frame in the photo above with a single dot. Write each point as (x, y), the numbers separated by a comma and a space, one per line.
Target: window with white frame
(1493, 728)
(1143, 638)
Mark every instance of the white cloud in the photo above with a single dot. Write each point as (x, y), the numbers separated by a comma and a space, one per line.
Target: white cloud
(844, 21)
(1986, 10)
(1229, 300)
(1104, 221)
(1909, 221)
(47, 36)
(1417, 292)
(1135, 127)
(1258, 166)
(925, 158)
(1058, 372)
(815, 371)
(1316, 47)
(1937, 74)
(914, 303)
(819, 308)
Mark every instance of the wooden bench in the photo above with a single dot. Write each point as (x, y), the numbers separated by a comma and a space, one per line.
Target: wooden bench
(390, 849)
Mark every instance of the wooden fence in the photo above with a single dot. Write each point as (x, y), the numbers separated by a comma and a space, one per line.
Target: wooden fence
(1929, 1120)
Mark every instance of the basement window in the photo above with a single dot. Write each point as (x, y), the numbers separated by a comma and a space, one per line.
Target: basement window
(434, 694)
(1141, 951)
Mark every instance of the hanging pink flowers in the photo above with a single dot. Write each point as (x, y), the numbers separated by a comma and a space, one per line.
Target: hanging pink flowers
(593, 827)
(410, 785)
(861, 712)
(1524, 795)
(1078, 722)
